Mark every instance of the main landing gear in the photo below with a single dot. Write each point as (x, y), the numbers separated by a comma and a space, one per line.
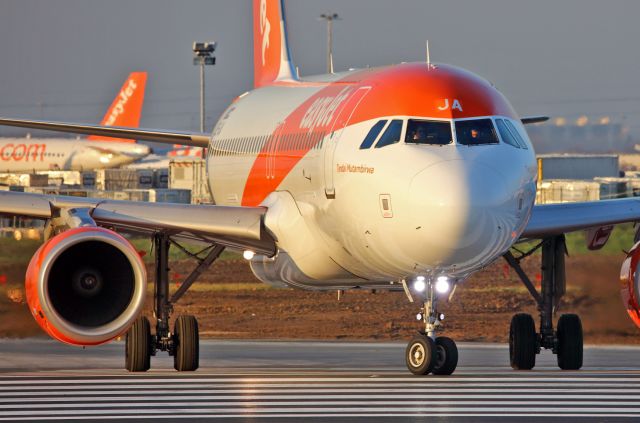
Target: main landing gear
(566, 341)
(183, 343)
(427, 353)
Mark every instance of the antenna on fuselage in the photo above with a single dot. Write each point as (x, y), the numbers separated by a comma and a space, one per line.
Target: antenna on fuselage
(428, 56)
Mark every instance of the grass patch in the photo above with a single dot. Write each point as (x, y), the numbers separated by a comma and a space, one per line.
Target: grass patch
(145, 244)
(12, 251)
(621, 239)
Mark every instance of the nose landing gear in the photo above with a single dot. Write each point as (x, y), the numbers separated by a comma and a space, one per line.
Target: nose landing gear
(427, 353)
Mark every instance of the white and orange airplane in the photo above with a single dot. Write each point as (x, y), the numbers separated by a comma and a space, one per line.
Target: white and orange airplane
(408, 177)
(39, 154)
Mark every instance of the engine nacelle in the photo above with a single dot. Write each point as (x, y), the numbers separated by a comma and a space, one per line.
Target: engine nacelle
(630, 283)
(86, 286)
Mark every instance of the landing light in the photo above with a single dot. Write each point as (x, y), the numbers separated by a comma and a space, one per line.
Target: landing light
(248, 254)
(442, 284)
(419, 285)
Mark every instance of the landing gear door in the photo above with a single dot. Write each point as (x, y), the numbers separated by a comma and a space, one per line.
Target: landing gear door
(331, 141)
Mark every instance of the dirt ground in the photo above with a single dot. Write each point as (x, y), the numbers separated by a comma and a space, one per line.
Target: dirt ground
(230, 303)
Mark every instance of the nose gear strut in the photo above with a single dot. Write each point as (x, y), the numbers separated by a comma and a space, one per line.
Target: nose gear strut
(427, 353)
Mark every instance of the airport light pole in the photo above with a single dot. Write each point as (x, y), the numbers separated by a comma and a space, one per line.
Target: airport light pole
(329, 17)
(203, 56)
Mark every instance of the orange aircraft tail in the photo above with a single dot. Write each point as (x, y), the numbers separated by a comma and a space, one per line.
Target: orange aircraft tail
(126, 107)
(271, 60)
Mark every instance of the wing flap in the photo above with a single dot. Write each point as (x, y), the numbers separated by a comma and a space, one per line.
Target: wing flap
(166, 137)
(554, 219)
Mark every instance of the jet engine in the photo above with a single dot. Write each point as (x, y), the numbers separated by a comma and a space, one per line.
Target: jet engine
(85, 286)
(630, 283)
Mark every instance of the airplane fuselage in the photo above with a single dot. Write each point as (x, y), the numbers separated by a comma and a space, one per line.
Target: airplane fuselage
(381, 212)
(33, 154)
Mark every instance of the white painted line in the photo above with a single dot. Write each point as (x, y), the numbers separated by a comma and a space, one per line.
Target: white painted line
(358, 409)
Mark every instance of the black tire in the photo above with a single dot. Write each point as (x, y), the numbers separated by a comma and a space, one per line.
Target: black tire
(138, 346)
(186, 344)
(420, 355)
(446, 356)
(522, 342)
(570, 342)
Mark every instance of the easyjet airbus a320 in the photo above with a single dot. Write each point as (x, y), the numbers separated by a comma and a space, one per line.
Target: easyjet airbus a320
(40, 154)
(407, 177)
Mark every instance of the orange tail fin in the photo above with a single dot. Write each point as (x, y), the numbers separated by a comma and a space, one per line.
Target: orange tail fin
(126, 107)
(271, 61)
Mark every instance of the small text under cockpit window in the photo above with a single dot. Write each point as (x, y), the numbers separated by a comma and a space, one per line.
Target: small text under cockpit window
(428, 132)
(373, 134)
(476, 132)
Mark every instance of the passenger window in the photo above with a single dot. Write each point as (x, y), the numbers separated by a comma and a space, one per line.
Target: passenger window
(506, 134)
(428, 132)
(391, 135)
(516, 134)
(476, 132)
(373, 134)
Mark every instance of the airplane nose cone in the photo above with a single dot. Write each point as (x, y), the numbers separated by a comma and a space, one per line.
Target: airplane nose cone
(457, 211)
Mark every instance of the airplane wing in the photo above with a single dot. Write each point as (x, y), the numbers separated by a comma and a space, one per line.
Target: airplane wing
(555, 219)
(234, 227)
(194, 139)
(534, 119)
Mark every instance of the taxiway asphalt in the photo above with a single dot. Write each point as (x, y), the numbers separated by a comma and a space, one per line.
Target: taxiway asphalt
(42, 380)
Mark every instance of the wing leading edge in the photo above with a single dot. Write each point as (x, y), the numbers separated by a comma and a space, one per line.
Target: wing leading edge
(555, 219)
(234, 227)
(167, 137)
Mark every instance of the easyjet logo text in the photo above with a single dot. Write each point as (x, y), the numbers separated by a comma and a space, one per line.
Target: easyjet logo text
(123, 98)
(322, 110)
(265, 28)
(26, 152)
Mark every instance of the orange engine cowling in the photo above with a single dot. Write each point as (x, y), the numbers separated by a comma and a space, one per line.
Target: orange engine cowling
(630, 283)
(85, 286)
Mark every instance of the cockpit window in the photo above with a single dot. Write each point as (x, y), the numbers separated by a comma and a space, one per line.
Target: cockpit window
(506, 134)
(476, 132)
(373, 134)
(516, 134)
(428, 132)
(391, 135)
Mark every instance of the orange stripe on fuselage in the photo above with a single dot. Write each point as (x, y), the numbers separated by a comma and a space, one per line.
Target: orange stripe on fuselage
(412, 89)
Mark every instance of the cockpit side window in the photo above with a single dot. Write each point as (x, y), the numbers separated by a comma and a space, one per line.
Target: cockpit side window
(391, 135)
(428, 132)
(476, 132)
(506, 134)
(516, 134)
(373, 134)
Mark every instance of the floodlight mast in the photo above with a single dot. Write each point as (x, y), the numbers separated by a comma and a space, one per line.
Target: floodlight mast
(203, 56)
(329, 17)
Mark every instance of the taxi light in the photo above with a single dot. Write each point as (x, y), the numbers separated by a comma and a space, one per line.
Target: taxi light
(419, 284)
(248, 254)
(442, 284)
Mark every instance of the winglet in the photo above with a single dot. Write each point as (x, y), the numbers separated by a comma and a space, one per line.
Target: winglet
(126, 108)
(271, 59)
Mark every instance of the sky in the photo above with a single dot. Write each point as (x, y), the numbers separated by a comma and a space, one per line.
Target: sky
(66, 59)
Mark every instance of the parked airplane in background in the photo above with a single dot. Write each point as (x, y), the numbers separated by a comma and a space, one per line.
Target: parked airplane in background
(37, 154)
(408, 177)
